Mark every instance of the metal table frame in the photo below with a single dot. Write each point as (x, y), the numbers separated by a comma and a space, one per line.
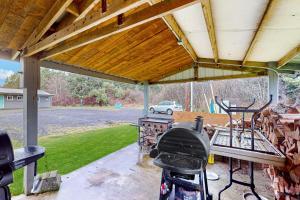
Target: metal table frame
(246, 109)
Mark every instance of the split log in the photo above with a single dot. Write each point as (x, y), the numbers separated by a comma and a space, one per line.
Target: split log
(281, 126)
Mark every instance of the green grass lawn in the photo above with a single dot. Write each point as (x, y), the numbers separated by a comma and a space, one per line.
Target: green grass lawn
(69, 152)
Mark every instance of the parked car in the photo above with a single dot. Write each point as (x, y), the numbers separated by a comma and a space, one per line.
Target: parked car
(166, 107)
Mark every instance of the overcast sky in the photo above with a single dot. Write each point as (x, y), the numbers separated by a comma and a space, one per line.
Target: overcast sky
(7, 68)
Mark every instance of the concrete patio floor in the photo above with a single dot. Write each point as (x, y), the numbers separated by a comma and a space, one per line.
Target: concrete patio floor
(118, 176)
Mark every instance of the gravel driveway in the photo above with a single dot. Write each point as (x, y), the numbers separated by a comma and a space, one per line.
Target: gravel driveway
(66, 120)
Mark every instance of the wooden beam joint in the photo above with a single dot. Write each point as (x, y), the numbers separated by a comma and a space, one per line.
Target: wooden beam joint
(120, 19)
(104, 6)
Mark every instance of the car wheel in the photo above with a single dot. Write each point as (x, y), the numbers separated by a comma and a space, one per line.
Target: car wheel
(152, 110)
(169, 112)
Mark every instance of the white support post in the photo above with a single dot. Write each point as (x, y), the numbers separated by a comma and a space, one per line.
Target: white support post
(146, 98)
(273, 86)
(30, 81)
(192, 97)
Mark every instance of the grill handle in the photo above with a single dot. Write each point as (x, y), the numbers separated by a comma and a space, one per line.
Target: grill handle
(199, 124)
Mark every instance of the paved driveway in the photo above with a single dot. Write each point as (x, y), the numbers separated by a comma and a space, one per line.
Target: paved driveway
(66, 120)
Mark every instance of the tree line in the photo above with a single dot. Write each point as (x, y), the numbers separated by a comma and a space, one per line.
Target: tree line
(73, 89)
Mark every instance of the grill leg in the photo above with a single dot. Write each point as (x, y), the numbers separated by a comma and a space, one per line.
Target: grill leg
(201, 184)
(5, 193)
(208, 195)
(230, 179)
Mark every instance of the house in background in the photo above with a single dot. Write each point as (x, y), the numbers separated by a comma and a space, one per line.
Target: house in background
(13, 98)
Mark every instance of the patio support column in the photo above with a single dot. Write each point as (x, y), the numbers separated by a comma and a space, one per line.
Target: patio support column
(192, 96)
(30, 83)
(273, 85)
(146, 98)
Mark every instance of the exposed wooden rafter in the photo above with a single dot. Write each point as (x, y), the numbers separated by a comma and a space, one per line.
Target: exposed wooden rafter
(90, 21)
(290, 55)
(82, 71)
(73, 9)
(77, 12)
(85, 7)
(290, 67)
(248, 75)
(209, 63)
(179, 34)
(206, 7)
(235, 62)
(171, 22)
(148, 14)
(54, 13)
(264, 20)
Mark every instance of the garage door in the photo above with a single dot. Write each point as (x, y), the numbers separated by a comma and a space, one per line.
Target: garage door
(1, 101)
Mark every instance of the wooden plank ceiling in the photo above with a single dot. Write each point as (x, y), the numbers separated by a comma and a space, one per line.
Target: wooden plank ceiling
(141, 53)
(138, 40)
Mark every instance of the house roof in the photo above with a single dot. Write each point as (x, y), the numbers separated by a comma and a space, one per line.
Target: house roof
(20, 92)
(136, 41)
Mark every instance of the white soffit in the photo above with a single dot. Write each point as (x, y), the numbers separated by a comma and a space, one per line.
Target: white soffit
(187, 74)
(192, 22)
(280, 34)
(202, 73)
(235, 24)
(208, 72)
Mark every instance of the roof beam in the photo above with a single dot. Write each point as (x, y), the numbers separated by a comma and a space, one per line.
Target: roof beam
(289, 56)
(172, 24)
(249, 75)
(53, 14)
(290, 67)
(85, 7)
(77, 27)
(223, 65)
(206, 7)
(264, 20)
(73, 9)
(146, 15)
(77, 12)
(230, 67)
(177, 31)
(82, 71)
(235, 62)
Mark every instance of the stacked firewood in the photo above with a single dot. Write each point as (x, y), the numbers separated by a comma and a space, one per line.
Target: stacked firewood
(282, 128)
(149, 130)
(210, 130)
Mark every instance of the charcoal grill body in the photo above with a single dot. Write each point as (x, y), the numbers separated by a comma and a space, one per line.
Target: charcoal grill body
(183, 153)
(12, 160)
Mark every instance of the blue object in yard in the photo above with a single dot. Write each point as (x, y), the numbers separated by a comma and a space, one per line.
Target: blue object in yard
(118, 105)
(212, 106)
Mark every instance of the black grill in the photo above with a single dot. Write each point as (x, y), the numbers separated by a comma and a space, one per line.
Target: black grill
(12, 160)
(183, 149)
(182, 152)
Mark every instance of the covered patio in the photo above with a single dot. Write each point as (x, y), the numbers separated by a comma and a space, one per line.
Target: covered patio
(118, 176)
(148, 42)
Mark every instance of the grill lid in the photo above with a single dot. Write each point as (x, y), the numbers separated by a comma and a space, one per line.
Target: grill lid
(184, 148)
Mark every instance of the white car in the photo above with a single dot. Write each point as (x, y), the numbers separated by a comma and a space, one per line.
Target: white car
(166, 107)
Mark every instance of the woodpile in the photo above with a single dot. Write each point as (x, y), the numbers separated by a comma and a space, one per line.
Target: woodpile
(281, 125)
(150, 128)
(210, 130)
